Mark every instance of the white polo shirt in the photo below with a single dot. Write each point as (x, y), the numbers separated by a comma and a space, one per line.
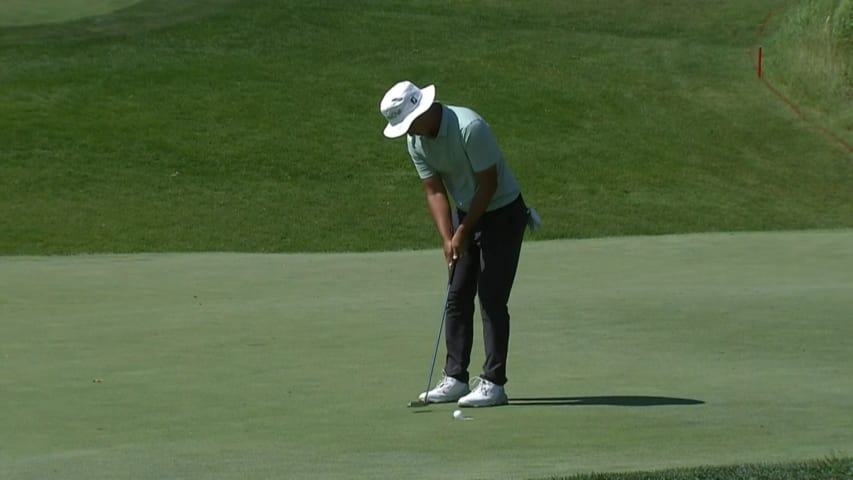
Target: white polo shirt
(464, 146)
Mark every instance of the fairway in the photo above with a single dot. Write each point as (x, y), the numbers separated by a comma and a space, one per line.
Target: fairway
(14, 13)
(627, 353)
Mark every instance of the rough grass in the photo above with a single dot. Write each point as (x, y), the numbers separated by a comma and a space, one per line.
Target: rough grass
(810, 57)
(830, 468)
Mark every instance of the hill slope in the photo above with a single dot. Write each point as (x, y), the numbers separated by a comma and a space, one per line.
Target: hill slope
(254, 126)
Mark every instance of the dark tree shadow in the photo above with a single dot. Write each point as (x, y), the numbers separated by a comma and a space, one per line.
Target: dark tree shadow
(609, 400)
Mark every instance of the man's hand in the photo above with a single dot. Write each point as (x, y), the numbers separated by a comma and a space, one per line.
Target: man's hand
(458, 244)
(454, 248)
(487, 184)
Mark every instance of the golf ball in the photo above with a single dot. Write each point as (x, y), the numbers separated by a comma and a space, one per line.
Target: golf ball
(457, 414)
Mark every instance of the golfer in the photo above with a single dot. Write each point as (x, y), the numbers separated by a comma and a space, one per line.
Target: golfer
(459, 162)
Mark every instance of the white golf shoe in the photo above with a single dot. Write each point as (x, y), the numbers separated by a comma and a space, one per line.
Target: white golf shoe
(448, 390)
(485, 394)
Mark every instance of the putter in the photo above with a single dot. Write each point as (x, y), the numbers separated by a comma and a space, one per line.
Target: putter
(425, 401)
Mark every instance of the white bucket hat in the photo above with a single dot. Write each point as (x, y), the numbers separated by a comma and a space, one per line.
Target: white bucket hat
(402, 104)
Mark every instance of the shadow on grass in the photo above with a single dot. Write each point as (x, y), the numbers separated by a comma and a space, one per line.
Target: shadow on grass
(613, 400)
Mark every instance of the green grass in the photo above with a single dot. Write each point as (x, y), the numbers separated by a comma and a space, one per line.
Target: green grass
(629, 354)
(254, 126)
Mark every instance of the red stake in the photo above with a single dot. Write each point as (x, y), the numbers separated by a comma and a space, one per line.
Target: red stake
(759, 62)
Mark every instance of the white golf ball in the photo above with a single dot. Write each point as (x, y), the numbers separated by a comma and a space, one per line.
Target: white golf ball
(457, 414)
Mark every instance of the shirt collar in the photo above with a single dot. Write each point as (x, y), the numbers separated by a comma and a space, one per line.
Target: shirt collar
(445, 114)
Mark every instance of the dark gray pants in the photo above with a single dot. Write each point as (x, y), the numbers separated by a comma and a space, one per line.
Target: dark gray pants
(487, 270)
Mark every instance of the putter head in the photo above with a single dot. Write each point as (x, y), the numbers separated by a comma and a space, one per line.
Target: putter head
(418, 404)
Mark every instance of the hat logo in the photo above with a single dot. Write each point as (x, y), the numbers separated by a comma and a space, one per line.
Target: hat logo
(394, 113)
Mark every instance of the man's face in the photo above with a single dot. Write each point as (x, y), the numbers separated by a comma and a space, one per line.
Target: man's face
(418, 126)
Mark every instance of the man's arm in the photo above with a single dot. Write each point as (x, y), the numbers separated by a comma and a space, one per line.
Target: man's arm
(439, 208)
(483, 154)
(487, 185)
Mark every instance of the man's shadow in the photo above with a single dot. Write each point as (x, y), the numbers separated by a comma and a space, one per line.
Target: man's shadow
(609, 400)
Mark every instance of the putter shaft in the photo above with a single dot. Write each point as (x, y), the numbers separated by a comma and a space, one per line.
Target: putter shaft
(425, 401)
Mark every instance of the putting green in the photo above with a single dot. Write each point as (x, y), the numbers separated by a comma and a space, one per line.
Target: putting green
(33, 12)
(627, 353)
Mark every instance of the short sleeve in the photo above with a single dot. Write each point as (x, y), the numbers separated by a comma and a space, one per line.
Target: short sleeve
(481, 146)
(418, 158)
